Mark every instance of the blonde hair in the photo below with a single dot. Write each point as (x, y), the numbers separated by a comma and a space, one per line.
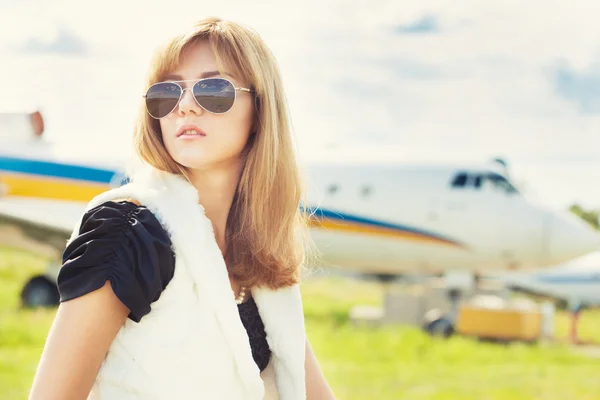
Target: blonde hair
(266, 228)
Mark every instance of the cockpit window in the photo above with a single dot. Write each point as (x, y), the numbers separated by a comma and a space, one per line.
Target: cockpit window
(460, 180)
(482, 180)
(501, 182)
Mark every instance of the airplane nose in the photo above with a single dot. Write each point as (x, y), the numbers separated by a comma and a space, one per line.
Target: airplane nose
(570, 237)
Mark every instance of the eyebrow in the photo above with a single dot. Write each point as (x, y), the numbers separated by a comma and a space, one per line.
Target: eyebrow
(207, 74)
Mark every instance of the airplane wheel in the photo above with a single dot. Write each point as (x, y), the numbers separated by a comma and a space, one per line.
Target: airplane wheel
(437, 324)
(385, 278)
(39, 292)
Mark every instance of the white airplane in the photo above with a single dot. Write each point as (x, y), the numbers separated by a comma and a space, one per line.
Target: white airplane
(377, 219)
(576, 282)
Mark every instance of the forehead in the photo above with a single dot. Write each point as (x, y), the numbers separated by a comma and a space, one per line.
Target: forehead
(196, 57)
(198, 60)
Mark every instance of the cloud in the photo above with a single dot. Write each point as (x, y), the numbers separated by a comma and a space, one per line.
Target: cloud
(64, 43)
(470, 88)
(413, 69)
(7, 5)
(426, 24)
(582, 88)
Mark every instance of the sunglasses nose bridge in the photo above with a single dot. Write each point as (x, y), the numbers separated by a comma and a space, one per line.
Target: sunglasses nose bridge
(187, 104)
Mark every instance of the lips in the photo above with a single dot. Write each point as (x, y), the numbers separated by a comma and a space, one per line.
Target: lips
(189, 127)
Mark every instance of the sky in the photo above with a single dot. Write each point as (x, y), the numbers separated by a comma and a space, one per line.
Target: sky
(430, 81)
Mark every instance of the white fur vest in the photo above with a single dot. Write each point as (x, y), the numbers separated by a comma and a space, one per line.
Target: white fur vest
(192, 344)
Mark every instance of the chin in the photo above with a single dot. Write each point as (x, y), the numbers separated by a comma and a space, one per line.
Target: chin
(198, 163)
(194, 163)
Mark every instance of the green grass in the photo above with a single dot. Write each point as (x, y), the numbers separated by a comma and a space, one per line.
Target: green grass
(359, 362)
(22, 332)
(402, 362)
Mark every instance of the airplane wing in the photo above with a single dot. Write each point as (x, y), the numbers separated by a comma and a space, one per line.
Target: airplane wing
(39, 226)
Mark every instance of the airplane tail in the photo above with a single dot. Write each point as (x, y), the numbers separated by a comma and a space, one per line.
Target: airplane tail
(19, 127)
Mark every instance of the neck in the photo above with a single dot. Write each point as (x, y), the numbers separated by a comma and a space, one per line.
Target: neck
(216, 188)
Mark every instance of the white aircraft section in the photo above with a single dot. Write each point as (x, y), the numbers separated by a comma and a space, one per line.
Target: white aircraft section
(373, 218)
(18, 127)
(442, 217)
(574, 281)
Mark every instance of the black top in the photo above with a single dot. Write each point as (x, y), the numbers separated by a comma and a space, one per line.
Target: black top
(125, 244)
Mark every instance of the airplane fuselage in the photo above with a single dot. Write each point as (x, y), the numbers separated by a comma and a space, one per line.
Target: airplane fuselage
(386, 219)
(576, 281)
(379, 219)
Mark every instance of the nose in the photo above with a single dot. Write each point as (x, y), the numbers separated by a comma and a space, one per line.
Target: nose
(188, 104)
(570, 237)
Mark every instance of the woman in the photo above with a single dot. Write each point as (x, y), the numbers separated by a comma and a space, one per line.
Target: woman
(183, 283)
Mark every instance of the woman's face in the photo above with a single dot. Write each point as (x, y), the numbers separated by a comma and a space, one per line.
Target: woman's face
(223, 136)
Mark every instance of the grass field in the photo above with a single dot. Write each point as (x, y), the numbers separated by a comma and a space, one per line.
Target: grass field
(360, 363)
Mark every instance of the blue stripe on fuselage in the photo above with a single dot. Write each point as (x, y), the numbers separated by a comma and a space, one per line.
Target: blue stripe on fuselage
(570, 279)
(48, 169)
(56, 170)
(323, 213)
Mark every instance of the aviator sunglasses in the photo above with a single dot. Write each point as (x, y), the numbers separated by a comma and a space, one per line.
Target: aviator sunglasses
(215, 95)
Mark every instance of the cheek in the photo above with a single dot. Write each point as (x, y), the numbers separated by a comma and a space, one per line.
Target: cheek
(245, 120)
(233, 129)
(245, 129)
(231, 138)
(164, 128)
(167, 127)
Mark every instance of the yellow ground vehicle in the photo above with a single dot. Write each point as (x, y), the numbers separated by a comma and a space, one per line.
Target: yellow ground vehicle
(505, 322)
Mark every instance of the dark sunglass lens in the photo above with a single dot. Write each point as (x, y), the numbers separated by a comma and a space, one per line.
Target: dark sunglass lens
(215, 95)
(162, 98)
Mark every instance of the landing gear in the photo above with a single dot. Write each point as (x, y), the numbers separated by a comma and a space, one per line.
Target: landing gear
(437, 323)
(442, 327)
(433, 305)
(385, 278)
(39, 292)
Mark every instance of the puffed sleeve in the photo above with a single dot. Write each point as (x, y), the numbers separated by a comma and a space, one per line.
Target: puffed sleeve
(125, 244)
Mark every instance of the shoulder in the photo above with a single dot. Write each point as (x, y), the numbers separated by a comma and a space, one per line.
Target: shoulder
(114, 218)
(123, 242)
(115, 212)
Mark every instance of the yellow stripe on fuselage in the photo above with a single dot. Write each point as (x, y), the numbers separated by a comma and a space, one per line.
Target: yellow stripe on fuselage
(52, 188)
(31, 185)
